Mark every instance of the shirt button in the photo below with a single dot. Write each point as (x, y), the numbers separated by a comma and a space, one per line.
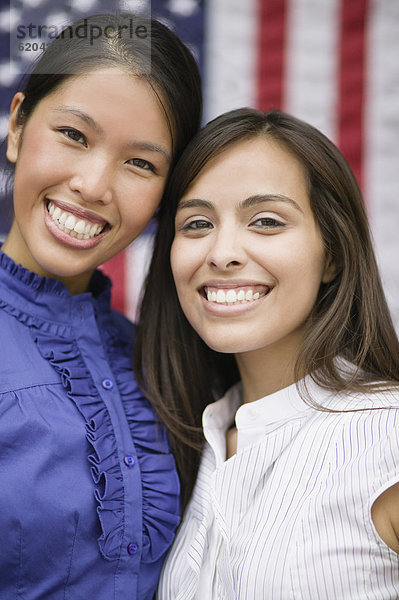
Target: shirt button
(253, 413)
(107, 384)
(132, 549)
(129, 460)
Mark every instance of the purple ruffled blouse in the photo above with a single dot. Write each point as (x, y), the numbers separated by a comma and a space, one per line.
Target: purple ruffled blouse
(89, 494)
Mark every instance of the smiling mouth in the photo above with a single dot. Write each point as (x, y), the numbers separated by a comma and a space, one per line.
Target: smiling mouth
(76, 227)
(229, 297)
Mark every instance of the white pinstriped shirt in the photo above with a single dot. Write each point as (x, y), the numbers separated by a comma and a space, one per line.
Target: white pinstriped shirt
(289, 516)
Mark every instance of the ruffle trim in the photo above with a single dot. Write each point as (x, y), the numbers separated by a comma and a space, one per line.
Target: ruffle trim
(31, 279)
(160, 482)
(99, 283)
(47, 327)
(65, 357)
(160, 486)
(27, 296)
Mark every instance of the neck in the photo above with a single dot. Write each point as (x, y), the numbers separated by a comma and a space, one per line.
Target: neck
(266, 371)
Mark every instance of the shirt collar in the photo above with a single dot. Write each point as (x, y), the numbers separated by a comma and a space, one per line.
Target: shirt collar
(44, 297)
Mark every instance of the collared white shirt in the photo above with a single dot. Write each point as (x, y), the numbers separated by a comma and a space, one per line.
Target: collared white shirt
(288, 517)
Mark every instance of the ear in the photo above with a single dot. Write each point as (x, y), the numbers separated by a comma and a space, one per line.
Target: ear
(14, 129)
(330, 270)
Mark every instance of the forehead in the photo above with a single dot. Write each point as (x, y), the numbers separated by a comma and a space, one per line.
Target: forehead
(257, 165)
(112, 88)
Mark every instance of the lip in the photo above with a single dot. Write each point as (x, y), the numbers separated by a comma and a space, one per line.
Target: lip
(65, 238)
(233, 283)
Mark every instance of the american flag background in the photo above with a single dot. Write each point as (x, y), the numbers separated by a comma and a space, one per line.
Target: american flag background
(333, 63)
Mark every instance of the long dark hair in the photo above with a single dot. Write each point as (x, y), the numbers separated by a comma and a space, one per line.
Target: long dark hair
(159, 57)
(350, 320)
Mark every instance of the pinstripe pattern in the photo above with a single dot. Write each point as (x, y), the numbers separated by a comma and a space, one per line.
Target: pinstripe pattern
(288, 517)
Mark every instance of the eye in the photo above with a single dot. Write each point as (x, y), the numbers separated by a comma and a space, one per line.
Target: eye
(74, 135)
(142, 164)
(267, 223)
(197, 225)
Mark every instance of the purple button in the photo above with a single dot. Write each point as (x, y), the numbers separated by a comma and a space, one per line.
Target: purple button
(129, 460)
(132, 549)
(107, 384)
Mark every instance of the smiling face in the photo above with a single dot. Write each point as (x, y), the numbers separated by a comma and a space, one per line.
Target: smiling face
(247, 257)
(91, 166)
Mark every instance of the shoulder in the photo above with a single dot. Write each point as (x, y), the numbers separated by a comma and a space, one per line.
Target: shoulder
(387, 397)
(117, 329)
(383, 397)
(13, 335)
(376, 428)
(123, 324)
(374, 415)
(358, 429)
(22, 365)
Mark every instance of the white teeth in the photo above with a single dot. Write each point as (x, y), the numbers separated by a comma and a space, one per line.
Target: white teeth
(224, 296)
(93, 230)
(220, 296)
(77, 228)
(80, 226)
(70, 222)
(231, 296)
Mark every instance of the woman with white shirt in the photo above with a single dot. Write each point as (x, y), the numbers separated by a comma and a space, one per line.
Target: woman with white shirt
(273, 292)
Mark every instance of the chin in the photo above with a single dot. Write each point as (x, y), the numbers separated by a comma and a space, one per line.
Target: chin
(228, 346)
(64, 270)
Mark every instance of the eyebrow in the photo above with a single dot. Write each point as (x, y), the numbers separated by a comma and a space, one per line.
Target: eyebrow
(247, 203)
(151, 147)
(81, 115)
(139, 145)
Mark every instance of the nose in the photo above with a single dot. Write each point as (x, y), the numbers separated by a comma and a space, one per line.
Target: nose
(227, 251)
(92, 179)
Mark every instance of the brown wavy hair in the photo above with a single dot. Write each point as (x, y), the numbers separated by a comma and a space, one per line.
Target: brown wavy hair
(351, 318)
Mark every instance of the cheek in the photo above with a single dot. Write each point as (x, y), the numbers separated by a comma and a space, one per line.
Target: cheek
(313, 264)
(137, 204)
(301, 259)
(184, 263)
(40, 150)
(37, 169)
(176, 259)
